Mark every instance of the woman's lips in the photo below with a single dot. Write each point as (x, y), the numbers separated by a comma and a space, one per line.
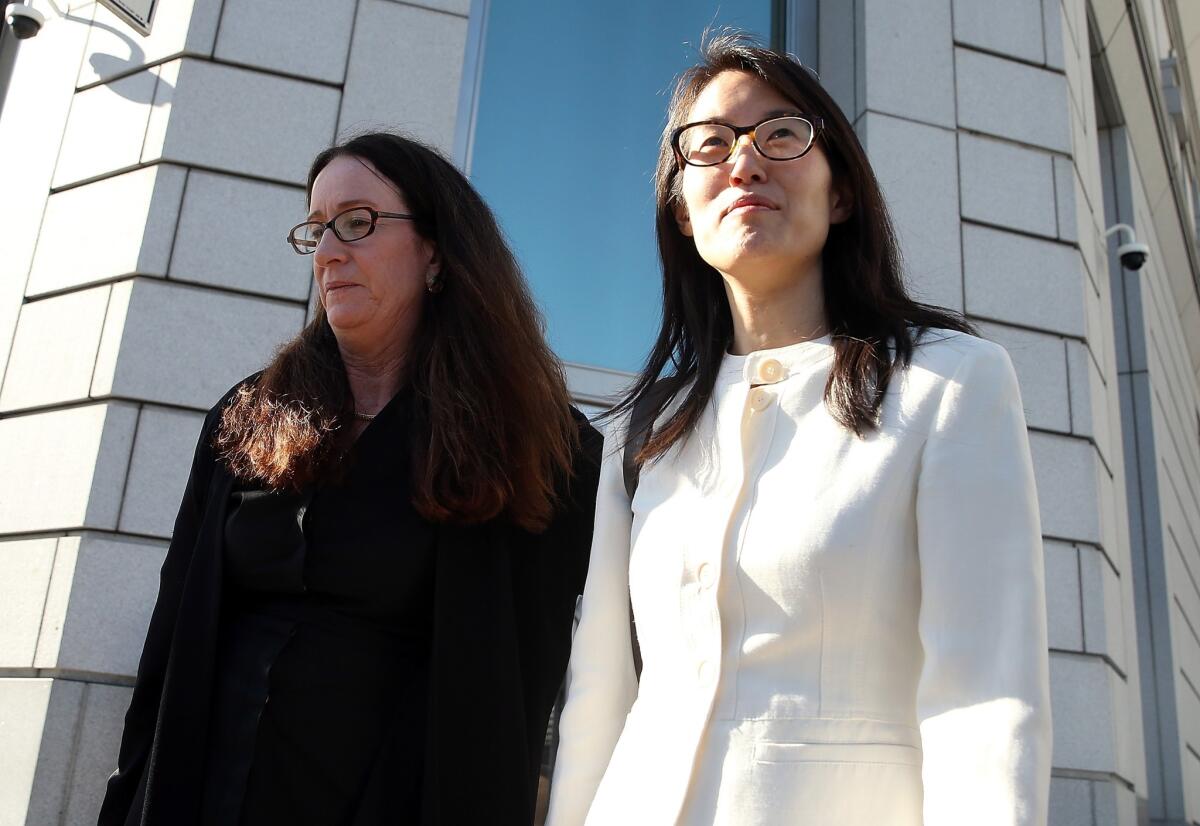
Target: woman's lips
(750, 203)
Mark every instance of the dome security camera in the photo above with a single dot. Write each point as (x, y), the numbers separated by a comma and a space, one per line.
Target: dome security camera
(1133, 254)
(25, 20)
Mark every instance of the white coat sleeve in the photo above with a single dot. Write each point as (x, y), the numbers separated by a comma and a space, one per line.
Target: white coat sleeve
(983, 699)
(601, 684)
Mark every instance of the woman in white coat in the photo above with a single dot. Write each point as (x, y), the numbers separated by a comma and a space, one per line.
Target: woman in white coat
(832, 550)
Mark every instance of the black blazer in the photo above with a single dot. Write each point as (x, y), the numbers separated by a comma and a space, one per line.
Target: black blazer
(503, 604)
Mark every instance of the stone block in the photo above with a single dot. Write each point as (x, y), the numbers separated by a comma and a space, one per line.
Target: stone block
(232, 233)
(158, 471)
(54, 350)
(186, 346)
(914, 83)
(1103, 614)
(239, 120)
(1041, 365)
(98, 606)
(1066, 191)
(64, 469)
(1012, 100)
(107, 229)
(414, 89)
(25, 566)
(1115, 803)
(38, 721)
(1066, 470)
(916, 168)
(96, 751)
(1063, 601)
(1002, 270)
(1011, 28)
(179, 28)
(1054, 36)
(278, 35)
(41, 88)
(1089, 399)
(459, 7)
(1082, 700)
(106, 127)
(1070, 802)
(1006, 184)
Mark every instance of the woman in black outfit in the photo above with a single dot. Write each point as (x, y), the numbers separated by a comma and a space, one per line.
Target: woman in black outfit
(365, 611)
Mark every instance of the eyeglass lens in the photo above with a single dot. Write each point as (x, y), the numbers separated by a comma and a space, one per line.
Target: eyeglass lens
(781, 139)
(350, 225)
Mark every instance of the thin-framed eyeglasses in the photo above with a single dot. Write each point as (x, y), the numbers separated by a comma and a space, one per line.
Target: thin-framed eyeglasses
(710, 142)
(353, 224)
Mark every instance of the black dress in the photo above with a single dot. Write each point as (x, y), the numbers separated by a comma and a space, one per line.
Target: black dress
(323, 651)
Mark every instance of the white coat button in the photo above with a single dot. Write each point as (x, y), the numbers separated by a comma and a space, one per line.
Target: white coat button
(770, 370)
(760, 399)
(705, 575)
(705, 671)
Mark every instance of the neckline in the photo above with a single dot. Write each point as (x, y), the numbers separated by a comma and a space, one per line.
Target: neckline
(791, 356)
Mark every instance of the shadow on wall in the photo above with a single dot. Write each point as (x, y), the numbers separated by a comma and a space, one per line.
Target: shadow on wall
(110, 65)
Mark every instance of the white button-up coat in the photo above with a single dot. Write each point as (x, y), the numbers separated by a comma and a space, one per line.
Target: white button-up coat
(835, 630)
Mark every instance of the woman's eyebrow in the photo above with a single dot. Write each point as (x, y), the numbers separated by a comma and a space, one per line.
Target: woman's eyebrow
(338, 207)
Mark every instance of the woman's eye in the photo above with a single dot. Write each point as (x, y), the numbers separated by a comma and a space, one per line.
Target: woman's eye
(714, 142)
(781, 134)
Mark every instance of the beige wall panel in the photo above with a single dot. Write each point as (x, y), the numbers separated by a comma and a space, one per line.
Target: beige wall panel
(300, 37)
(413, 88)
(1082, 700)
(1013, 27)
(916, 166)
(1103, 613)
(64, 469)
(106, 128)
(186, 346)
(38, 100)
(96, 751)
(1090, 400)
(25, 566)
(1070, 802)
(1003, 269)
(158, 471)
(54, 351)
(1012, 100)
(38, 718)
(924, 89)
(1066, 470)
(1063, 602)
(98, 605)
(180, 27)
(232, 233)
(1007, 184)
(1041, 364)
(116, 226)
(239, 120)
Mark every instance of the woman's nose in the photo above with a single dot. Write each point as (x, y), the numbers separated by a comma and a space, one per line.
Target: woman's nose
(748, 164)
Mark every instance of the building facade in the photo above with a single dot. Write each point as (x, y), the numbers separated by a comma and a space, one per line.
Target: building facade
(150, 182)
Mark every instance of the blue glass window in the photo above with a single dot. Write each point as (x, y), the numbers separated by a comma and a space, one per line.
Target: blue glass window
(571, 104)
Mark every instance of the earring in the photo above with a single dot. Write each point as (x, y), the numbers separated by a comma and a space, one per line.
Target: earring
(433, 281)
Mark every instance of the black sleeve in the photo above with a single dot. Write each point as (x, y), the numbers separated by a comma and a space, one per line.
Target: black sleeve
(142, 717)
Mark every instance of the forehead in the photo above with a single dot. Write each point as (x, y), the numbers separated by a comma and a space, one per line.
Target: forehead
(348, 180)
(739, 97)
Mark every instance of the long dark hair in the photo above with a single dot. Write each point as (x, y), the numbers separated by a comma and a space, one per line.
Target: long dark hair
(868, 311)
(491, 430)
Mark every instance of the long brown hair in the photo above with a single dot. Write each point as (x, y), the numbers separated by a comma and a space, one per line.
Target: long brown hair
(867, 307)
(491, 430)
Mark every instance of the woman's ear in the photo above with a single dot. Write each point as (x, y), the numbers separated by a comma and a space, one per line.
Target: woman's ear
(841, 204)
(682, 219)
